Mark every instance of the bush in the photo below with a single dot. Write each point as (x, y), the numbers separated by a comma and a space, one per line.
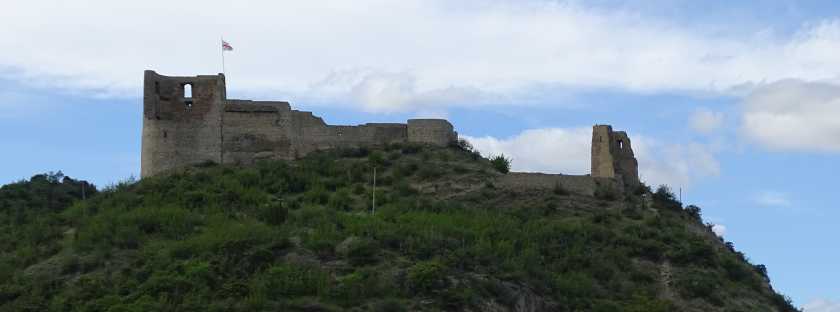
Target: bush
(291, 280)
(694, 212)
(606, 192)
(427, 276)
(341, 200)
(698, 284)
(275, 213)
(501, 163)
(362, 252)
(664, 198)
(411, 148)
(377, 159)
(430, 172)
(462, 144)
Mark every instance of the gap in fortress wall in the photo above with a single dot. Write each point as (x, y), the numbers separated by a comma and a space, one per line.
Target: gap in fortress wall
(188, 120)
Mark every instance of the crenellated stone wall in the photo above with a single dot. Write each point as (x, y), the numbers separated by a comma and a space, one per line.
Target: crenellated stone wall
(181, 130)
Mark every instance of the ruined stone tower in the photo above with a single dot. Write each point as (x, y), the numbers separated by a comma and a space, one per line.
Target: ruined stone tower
(189, 120)
(612, 156)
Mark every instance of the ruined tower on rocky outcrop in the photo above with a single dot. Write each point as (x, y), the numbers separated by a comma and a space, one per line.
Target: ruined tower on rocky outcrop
(189, 120)
(612, 156)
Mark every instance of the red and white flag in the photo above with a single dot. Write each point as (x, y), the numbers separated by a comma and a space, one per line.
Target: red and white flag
(226, 46)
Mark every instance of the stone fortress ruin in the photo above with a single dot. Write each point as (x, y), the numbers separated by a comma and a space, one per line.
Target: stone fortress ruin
(190, 120)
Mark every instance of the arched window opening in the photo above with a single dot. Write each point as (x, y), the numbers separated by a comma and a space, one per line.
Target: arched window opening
(620, 144)
(187, 91)
(188, 96)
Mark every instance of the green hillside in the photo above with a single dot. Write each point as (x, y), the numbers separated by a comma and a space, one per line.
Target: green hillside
(302, 236)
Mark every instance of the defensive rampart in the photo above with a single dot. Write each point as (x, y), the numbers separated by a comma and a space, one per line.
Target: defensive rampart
(189, 120)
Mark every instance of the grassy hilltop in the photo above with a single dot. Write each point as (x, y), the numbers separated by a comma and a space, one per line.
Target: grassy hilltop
(301, 236)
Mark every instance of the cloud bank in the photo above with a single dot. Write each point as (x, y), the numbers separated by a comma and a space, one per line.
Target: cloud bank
(397, 55)
(794, 115)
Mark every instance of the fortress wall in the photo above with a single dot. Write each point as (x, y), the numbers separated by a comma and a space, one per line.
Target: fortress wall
(431, 131)
(627, 166)
(271, 130)
(602, 160)
(180, 129)
(255, 131)
(578, 184)
(368, 134)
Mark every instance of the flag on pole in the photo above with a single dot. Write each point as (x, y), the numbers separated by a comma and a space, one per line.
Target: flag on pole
(226, 46)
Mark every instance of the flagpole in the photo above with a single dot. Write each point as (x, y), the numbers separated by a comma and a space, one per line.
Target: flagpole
(221, 45)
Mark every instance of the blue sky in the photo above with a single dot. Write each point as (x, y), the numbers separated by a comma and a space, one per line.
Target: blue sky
(735, 103)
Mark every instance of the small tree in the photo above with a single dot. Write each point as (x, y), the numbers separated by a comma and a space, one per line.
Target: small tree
(501, 163)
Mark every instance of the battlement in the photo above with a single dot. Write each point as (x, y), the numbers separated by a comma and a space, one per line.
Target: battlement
(189, 120)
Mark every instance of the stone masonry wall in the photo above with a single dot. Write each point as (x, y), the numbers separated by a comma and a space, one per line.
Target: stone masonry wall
(177, 128)
(612, 155)
(578, 184)
(179, 131)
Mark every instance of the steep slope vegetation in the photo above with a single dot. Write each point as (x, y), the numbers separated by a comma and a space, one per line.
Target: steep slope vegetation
(303, 236)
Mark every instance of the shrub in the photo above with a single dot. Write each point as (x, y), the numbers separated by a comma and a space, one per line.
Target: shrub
(290, 280)
(354, 288)
(606, 192)
(664, 198)
(735, 270)
(353, 152)
(411, 148)
(429, 172)
(362, 252)
(275, 213)
(462, 144)
(699, 284)
(341, 200)
(693, 212)
(574, 284)
(317, 195)
(427, 276)
(501, 163)
(376, 159)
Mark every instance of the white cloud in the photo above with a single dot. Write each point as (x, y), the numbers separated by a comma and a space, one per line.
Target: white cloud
(822, 305)
(706, 121)
(772, 199)
(567, 151)
(794, 115)
(542, 150)
(719, 229)
(676, 165)
(436, 47)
